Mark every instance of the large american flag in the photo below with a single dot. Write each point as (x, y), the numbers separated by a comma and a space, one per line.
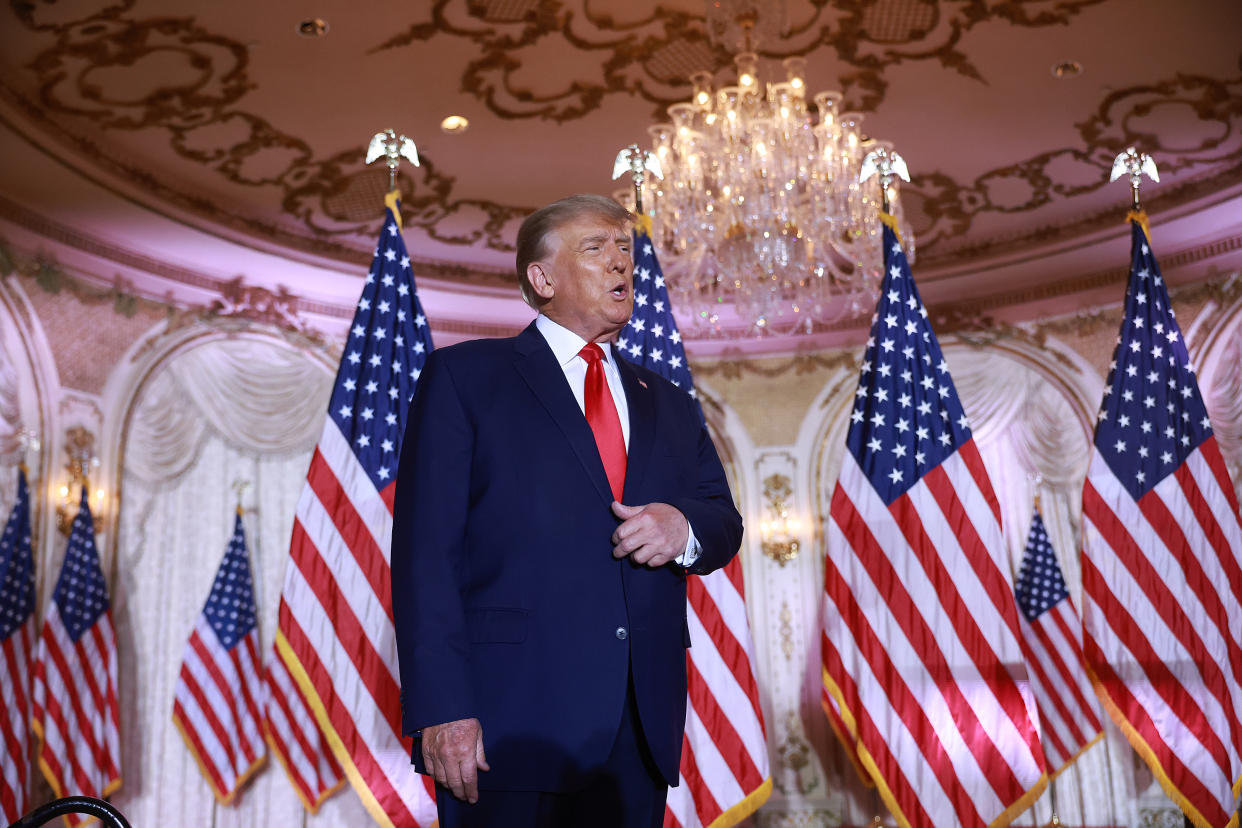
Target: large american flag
(724, 774)
(216, 703)
(1052, 633)
(74, 708)
(920, 638)
(336, 633)
(17, 604)
(1161, 568)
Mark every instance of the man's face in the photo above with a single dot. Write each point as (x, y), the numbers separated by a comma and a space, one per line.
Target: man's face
(591, 274)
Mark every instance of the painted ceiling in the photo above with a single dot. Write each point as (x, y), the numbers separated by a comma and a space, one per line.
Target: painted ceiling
(223, 118)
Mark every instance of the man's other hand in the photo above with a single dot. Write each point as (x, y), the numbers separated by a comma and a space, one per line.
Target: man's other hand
(652, 535)
(453, 755)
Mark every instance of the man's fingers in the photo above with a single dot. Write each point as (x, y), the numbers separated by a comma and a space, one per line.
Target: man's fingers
(480, 758)
(469, 780)
(453, 781)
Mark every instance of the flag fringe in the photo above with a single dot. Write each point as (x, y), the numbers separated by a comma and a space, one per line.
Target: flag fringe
(313, 807)
(847, 742)
(1149, 756)
(1070, 761)
(53, 783)
(1140, 216)
(294, 664)
(242, 779)
(753, 802)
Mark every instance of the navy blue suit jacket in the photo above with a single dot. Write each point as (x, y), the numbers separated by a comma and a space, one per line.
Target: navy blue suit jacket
(509, 606)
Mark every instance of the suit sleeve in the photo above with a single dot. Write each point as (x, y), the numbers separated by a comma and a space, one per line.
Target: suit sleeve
(713, 518)
(428, 548)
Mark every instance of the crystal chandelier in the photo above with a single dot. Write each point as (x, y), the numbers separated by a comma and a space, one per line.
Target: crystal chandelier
(760, 220)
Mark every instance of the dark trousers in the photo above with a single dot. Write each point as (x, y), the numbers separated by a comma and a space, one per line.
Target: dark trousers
(627, 792)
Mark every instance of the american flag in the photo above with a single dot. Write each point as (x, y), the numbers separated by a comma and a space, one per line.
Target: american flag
(724, 774)
(17, 603)
(336, 632)
(219, 690)
(920, 638)
(1051, 631)
(290, 729)
(1161, 568)
(74, 708)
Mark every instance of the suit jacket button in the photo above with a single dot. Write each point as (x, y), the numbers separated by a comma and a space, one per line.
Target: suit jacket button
(621, 633)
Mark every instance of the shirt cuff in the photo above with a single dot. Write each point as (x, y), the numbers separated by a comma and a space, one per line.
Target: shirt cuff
(693, 550)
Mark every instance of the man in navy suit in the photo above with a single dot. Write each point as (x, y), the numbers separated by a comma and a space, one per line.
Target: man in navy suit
(551, 501)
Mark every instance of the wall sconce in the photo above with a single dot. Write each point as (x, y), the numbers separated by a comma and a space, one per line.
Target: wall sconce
(80, 446)
(779, 532)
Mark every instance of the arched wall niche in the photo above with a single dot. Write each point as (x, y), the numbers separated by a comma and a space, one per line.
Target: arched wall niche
(191, 409)
(28, 385)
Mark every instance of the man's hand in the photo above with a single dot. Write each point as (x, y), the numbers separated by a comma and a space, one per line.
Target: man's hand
(653, 534)
(453, 754)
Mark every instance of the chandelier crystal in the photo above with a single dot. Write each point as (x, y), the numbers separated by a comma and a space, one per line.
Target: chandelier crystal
(760, 220)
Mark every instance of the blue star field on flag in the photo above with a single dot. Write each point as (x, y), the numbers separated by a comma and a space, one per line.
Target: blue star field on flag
(651, 339)
(387, 347)
(81, 592)
(230, 607)
(1040, 582)
(907, 418)
(1152, 416)
(17, 584)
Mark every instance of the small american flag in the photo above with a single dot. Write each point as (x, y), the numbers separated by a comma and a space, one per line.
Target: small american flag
(920, 626)
(1162, 559)
(17, 603)
(336, 637)
(74, 709)
(216, 703)
(724, 775)
(1068, 711)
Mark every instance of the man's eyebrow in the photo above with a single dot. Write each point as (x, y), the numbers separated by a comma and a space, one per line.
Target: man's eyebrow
(594, 238)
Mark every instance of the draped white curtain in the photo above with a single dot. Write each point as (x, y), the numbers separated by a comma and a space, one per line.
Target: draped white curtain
(242, 409)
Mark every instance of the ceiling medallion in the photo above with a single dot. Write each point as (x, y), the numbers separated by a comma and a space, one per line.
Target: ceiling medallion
(761, 219)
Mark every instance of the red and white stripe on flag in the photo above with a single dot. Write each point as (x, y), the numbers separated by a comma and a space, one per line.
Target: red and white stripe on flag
(1162, 607)
(17, 605)
(336, 631)
(1068, 716)
(295, 739)
(1162, 559)
(216, 706)
(1052, 635)
(336, 637)
(724, 775)
(15, 654)
(217, 701)
(74, 709)
(920, 647)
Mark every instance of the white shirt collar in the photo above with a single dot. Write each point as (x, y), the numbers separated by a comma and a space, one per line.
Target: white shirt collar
(565, 344)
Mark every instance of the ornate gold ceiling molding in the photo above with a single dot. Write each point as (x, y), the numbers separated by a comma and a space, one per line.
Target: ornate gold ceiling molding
(653, 55)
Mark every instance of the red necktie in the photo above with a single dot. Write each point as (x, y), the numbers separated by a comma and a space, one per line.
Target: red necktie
(601, 414)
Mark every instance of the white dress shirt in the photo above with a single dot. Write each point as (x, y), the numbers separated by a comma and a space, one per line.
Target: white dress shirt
(565, 345)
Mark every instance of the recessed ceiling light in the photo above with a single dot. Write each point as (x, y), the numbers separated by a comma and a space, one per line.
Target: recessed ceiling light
(1066, 69)
(314, 27)
(455, 124)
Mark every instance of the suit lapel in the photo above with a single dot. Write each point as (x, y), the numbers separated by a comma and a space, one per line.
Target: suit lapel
(539, 369)
(639, 399)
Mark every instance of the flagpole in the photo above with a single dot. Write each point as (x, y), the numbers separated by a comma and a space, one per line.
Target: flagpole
(888, 165)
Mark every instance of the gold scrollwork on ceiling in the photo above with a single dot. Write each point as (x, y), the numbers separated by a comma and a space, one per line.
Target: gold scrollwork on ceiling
(1157, 117)
(653, 54)
(173, 74)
